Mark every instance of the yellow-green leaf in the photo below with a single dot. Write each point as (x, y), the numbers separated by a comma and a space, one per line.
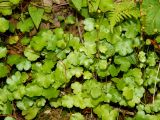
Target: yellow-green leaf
(36, 15)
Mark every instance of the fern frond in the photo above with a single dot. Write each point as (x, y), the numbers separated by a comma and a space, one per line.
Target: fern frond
(124, 10)
(150, 18)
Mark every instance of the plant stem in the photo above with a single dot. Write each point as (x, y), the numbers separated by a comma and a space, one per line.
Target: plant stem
(155, 82)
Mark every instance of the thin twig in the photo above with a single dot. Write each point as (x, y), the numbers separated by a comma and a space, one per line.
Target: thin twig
(14, 110)
(126, 112)
(65, 70)
(42, 6)
(63, 4)
(79, 30)
(155, 82)
(91, 113)
(36, 5)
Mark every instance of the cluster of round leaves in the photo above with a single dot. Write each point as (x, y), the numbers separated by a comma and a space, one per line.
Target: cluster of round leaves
(100, 53)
